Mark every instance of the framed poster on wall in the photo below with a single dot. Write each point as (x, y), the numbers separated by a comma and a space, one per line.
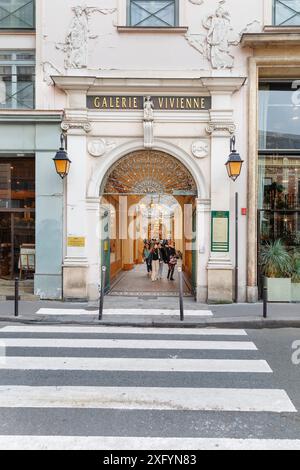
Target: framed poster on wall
(220, 231)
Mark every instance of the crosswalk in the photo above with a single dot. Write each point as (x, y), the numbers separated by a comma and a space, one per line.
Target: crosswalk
(75, 387)
(131, 312)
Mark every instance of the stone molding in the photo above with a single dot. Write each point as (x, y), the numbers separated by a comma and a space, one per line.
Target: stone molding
(69, 125)
(221, 127)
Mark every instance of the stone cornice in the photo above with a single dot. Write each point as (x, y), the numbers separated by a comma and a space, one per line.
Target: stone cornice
(31, 116)
(271, 38)
(139, 82)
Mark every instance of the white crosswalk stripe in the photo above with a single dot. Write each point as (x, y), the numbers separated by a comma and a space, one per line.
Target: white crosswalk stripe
(141, 443)
(275, 401)
(129, 312)
(128, 344)
(136, 364)
(123, 330)
(112, 360)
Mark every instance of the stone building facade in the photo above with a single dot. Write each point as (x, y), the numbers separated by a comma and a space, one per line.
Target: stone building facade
(143, 81)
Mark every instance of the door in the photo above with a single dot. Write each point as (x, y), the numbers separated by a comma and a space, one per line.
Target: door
(105, 247)
(194, 253)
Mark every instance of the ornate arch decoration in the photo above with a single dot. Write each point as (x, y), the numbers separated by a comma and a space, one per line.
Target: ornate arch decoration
(97, 181)
(149, 172)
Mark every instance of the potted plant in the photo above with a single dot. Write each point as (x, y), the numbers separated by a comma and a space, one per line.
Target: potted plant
(296, 277)
(276, 266)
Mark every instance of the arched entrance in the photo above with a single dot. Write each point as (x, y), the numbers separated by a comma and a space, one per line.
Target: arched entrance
(147, 195)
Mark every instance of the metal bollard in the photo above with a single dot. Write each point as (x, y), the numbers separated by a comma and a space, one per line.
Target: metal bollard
(16, 297)
(265, 302)
(181, 294)
(102, 292)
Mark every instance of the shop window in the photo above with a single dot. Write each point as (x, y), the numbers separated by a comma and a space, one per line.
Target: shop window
(287, 12)
(279, 116)
(17, 14)
(153, 13)
(17, 80)
(279, 165)
(17, 217)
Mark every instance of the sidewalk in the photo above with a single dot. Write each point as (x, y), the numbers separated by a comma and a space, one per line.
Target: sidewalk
(153, 311)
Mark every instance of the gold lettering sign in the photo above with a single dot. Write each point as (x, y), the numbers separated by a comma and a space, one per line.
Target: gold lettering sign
(161, 103)
(76, 242)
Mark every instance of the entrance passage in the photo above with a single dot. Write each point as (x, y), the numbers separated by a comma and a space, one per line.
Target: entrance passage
(148, 197)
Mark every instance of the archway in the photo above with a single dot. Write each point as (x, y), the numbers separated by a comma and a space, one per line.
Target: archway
(147, 195)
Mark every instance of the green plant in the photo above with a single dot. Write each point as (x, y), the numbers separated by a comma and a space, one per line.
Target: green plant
(296, 268)
(275, 260)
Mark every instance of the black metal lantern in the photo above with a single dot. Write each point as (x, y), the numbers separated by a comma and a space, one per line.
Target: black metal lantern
(61, 159)
(234, 163)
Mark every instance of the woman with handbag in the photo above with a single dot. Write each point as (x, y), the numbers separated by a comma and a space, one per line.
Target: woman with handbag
(172, 261)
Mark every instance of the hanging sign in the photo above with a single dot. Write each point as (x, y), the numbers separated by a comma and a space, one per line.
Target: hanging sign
(220, 232)
(167, 103)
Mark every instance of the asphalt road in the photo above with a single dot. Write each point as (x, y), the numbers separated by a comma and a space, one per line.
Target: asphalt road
(118, 388)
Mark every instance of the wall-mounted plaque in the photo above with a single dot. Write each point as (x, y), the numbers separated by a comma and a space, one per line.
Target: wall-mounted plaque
(167, 103)
(76, 242)
(220, 232)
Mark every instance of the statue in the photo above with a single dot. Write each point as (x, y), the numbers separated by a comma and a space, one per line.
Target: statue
(148, 122)
(219, 38)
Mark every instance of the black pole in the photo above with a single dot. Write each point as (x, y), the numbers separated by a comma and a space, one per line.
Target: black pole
(265, 301)
(236, 295)
(16, 297)
(181, 294)
(102, 292)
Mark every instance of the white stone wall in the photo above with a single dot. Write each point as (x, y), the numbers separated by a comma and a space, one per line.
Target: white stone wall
(80, 44)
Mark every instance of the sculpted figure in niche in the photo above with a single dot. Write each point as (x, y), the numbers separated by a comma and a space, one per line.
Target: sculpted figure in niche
(148, 109)
(148, 122)
(220, 37)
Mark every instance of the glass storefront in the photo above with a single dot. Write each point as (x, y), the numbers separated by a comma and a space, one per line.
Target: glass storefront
(279, 165)
(17, 217)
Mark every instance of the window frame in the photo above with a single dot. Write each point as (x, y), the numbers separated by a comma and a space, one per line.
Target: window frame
(129, 17)
(285, 24)
(14, 63)
(23, 28)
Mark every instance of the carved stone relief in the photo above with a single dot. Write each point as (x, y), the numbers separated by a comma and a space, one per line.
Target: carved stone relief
(48, 71)
(220, 36)
(99, 147)
(200, 149)
(76, 44)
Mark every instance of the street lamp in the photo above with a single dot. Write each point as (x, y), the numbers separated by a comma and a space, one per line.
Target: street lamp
(234, 168)
(61, 159)
(234, 163)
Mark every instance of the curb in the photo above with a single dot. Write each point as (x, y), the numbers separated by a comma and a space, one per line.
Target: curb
(233, 324)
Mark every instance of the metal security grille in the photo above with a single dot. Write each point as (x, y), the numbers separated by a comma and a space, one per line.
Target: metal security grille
(287, 12)
(17, 14)
(153, 13)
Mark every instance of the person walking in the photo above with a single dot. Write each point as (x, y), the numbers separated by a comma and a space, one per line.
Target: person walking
(155, 257)
(147, 258)
(162, 261)
(172, 261)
